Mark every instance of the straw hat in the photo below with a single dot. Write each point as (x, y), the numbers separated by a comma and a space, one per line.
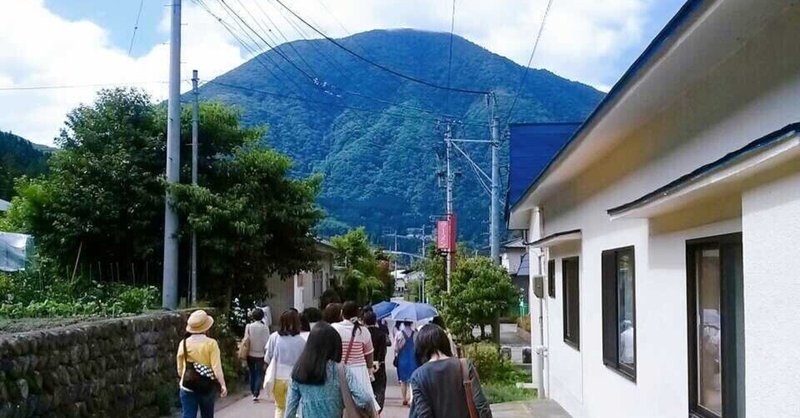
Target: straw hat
(199, 322)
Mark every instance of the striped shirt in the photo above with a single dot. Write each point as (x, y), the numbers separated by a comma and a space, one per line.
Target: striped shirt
(362, 343)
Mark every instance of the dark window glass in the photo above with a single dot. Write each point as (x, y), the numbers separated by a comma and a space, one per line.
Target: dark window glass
(551, 278)
(571, 300)
(716, 362)
(619, 310)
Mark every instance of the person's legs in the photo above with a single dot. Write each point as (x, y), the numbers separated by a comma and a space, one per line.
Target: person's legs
(206, 404)
(379, 386)
(280, 391)
(188, 404)
(260, 370)
(255, 374)
(404, 392)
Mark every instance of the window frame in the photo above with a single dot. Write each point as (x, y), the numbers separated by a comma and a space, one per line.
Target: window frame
(573, 341)
(551, 278)
(610, 310)
(733, 405)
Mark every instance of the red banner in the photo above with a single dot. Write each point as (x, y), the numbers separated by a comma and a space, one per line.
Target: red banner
(446, 234)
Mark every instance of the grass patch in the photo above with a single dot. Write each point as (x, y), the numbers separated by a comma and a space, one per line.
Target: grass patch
(507, 392)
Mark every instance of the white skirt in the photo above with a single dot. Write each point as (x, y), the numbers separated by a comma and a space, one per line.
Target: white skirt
(361, 374)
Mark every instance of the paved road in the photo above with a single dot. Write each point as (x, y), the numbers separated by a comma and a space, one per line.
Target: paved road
(246, 408)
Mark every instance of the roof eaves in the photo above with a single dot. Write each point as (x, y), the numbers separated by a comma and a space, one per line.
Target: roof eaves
(662, 40)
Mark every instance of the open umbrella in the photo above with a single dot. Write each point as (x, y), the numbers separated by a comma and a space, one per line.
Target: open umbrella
(383, 309)
(414, 312)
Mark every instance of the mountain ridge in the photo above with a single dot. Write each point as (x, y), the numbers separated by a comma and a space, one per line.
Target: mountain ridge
(374, 135)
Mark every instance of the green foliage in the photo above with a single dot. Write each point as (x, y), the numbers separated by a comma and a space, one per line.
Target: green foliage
(380, 168)
(480, 292)
(27, 295)
(18, 157)
(101, 206)
(166, 398)
(491, 366)
(367, 278)
(506, 392)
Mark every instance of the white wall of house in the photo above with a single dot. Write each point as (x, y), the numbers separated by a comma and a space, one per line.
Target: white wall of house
(771, 223)
(753, 92)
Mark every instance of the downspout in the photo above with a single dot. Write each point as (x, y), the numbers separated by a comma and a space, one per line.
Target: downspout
(541, 349)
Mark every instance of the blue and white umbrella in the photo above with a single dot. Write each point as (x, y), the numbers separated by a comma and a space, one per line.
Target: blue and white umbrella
(383, 309)
(414, 312)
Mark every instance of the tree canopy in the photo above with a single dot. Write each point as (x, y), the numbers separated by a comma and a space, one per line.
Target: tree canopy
(101, 206)
(367, 278)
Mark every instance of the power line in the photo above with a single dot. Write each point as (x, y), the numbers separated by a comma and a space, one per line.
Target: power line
(136, 26)
(450, 56)
(375, 64)
(530, 60)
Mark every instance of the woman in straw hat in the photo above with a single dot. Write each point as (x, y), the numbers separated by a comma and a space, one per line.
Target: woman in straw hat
(204, 351)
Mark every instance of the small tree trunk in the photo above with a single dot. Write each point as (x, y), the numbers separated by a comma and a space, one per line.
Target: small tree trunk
(496, 328)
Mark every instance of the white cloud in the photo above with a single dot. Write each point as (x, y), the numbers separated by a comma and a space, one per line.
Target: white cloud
(39, 48)
(583, 40)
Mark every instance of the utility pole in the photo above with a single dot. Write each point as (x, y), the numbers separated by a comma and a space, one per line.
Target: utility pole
(494, 233)
(170, 273)
(195, 121)
(448, 136)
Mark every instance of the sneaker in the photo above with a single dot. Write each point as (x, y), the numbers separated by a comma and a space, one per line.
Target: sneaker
(255, 398)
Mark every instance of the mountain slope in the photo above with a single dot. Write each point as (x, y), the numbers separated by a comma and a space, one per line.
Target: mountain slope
(18, 157)
(374, 135)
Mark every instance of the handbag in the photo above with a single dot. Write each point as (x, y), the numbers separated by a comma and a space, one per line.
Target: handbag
(197, 377)
(467, 383)
(244, 346)
(351, 410)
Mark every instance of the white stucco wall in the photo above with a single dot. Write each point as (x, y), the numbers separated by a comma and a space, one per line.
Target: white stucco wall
(751, 94)
(771, 241)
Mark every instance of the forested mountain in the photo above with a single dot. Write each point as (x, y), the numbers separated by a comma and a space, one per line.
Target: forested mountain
(18, 157)
(375, 136)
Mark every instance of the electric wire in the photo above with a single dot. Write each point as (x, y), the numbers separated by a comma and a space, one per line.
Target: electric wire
(530, 60)
(450, 57)
(375, 64)
(136, 26)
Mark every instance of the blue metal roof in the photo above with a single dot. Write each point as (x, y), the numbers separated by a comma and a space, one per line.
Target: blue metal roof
(524, 268)
(665, 38)
(532, 148)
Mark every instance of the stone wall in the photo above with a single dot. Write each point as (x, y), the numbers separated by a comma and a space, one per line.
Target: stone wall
(108, 368)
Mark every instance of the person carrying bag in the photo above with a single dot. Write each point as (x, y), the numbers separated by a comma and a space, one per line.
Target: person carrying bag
(199, 368)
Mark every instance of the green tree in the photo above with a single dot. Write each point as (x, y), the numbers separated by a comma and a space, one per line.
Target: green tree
(103, 198)
(366, 277)
(480, 292)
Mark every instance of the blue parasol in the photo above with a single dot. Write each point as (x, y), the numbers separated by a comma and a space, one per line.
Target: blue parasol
(414, 312)
(383, 309)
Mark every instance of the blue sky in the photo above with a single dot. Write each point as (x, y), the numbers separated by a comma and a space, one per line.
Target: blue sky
(80, 42)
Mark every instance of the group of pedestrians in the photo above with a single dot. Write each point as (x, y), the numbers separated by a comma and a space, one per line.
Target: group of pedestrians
(332, 364)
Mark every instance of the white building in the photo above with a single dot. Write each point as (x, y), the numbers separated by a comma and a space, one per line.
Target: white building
(304, 289)
(668, 228)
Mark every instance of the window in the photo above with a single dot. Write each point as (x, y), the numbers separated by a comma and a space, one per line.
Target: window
(551, 278)
(619, 311)
(716, 320)
(571, 294)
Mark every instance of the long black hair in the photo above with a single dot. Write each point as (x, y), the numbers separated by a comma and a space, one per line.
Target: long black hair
(324, 344)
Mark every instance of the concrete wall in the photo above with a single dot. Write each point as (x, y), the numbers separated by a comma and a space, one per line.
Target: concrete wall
(771, 235)
(109, 368)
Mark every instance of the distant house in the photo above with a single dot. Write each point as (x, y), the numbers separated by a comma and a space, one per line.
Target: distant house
(4, 205)
(514, 258)
(668, 227)
(305, 288)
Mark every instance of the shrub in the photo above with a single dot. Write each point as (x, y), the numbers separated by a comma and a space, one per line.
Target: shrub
(491, 366)
(524, 322)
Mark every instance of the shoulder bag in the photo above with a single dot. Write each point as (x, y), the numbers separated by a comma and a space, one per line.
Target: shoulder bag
(197, 377)
(244, 346)
(272, 373)
(467, 383)
(351, 410)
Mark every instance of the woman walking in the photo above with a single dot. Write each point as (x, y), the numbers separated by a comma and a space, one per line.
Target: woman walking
(283, 349)
(317, 379)
(440, 387)
(380, 340)
(357, 349)
(256, 335)
(197, 352)
(406, 359)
